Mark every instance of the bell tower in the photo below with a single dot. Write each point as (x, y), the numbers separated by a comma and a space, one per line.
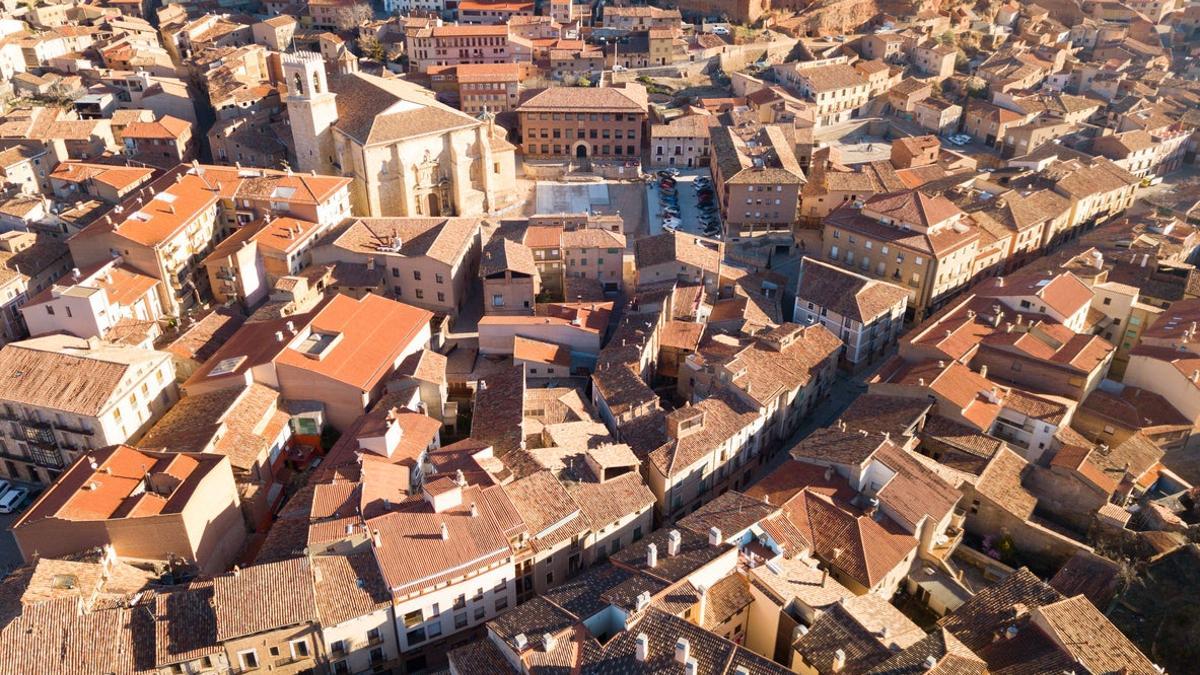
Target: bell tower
(312, 111)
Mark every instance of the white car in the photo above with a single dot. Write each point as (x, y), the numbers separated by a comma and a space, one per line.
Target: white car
(13, 499)
(720, 30)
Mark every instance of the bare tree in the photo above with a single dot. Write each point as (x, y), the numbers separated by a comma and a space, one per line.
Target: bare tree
(352, 16)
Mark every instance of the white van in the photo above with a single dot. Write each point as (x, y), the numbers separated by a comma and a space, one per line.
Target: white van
(13, 499)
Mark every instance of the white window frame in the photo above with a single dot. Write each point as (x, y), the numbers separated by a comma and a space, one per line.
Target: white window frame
(242, 659)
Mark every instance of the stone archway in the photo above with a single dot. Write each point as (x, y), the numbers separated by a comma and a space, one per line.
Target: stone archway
(582, 150)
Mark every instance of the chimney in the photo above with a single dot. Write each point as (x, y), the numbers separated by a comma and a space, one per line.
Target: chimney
(983, 370)
(683, 650)
(237, 571)
(548, 642)
(474, 510)
(829, 473)
(651, 556)
(445, 532)
(291, 326)
(279, 336)
(643, 647)
(920, 381)
(1195, 376)
(674, 540)
(1000, 282)
(930, 662)
(376, 539)
(1145, 259)
(643, 601)
(690, 667)
(521, 641)
(714, 536)
(839, 661)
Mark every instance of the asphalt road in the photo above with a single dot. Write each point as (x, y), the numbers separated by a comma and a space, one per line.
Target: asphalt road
(10, 556)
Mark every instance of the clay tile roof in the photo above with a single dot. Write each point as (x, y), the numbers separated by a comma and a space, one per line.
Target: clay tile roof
(538, 351)
(731, 513)
(264, 597)
(975, 622)
(630, 98)
(166, 127)
(612, 500)
(362, 356)
(1091, 638)
(414, 556)
(851, 295)
(348, 586)
(1001, 482)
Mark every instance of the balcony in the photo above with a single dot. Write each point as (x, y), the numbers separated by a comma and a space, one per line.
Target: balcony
(944, 549)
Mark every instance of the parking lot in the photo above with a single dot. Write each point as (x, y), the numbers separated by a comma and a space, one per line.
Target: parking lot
(689, 211)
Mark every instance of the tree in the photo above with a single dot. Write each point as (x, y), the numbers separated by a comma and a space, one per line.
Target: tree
(947, 38)
(352, 16)
(372, 48)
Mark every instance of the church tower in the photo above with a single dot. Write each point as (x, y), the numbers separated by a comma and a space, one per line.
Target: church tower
(312, 111)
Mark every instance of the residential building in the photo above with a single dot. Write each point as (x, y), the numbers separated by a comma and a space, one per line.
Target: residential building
(250, 427)
(907, 238)
(682, 142)
(319, 356)
(867, 315)
(594, 253)
(29, 264)
(165, 507)
(488, 87)
(511, 282)
(163, 143)
(67, 396)
(110, 301)
(758, 184)
(427, 262)
(838, 90)
(450, 45)
(165, 229)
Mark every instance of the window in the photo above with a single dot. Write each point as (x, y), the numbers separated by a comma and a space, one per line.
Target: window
(441, 296)
(480, 612)
(420, 293)
(416, 275)
(248, 659)
(415, 636)
(501, 603)
(439, 278)
(434, 629)
(460, 620)
(413, 618)
(49, 310)
(299, 649)
(341, 668)
(1108, 301)
(497, 300)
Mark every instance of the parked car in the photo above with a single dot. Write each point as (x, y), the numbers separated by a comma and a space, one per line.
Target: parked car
(12, 500)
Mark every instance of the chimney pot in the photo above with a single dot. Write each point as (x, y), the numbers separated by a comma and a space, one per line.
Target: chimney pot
(643, 647)
(377, 539)
(674, 540)
(651, 556)
(714, 536)
(682, 650)
(445, 532)
(839, 661)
